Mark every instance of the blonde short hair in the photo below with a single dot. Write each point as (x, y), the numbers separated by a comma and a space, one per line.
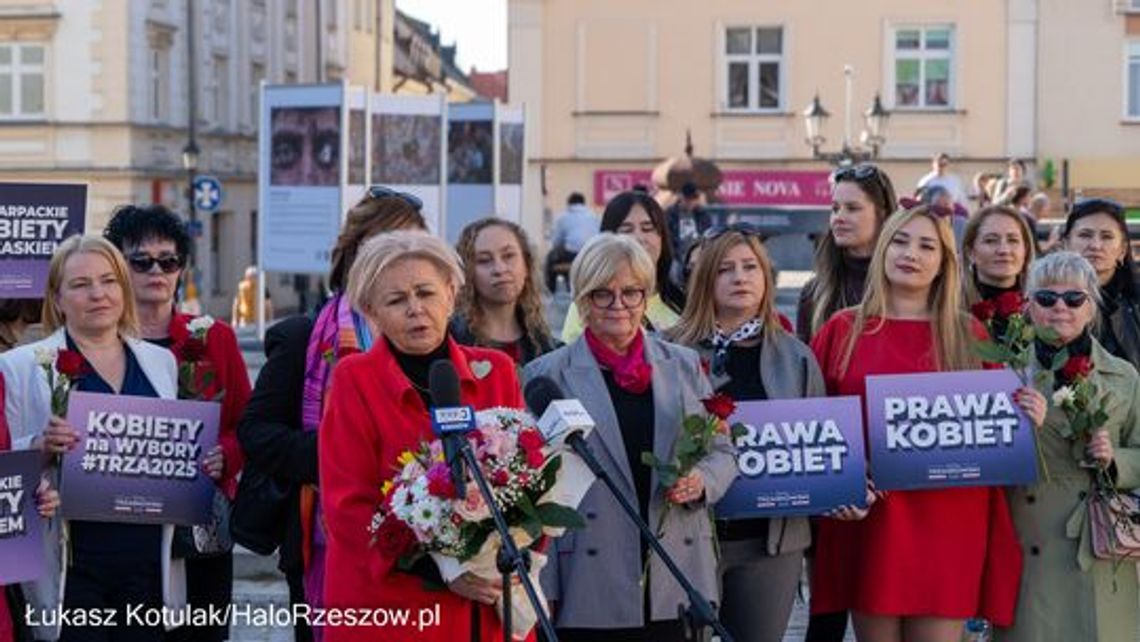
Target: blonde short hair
(599, 260)
(383, 250)
(53, 318)
(1064, 267)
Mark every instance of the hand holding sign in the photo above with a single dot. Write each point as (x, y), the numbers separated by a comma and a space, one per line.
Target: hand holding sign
(59, 437)
(1033, 404)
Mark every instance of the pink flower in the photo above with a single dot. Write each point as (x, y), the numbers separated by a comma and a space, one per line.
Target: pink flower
(472, 508)
(498, 443)
(439, 481)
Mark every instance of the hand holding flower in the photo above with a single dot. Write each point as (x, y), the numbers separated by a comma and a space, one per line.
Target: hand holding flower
(1032, 403)
(689, 488)
(1100, 449)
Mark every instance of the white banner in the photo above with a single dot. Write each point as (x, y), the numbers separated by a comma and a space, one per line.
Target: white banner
(407, 149)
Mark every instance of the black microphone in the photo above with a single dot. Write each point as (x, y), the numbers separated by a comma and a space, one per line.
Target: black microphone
(450, 419)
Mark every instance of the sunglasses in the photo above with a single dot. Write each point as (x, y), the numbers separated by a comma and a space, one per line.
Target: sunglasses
(168, 263)
(860, 172)
(379, 191)
(1049, 298)
(716, 231)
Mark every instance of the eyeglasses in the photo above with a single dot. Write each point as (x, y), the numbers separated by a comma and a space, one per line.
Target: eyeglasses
(168, 263)
(630, 297)
(1096, 205)
(747, 229)
(379, 191)
(1049, 298)
(860, 172)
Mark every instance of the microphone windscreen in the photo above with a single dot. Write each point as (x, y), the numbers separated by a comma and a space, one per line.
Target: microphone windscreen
(443, 382)
(539, 392)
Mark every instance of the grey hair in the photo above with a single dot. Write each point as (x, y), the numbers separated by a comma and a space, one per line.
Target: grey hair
(1063, 267)
(381, 251)
(599, 260)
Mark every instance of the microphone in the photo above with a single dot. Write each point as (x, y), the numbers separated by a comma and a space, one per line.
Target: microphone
(561, 421)
(450, 420)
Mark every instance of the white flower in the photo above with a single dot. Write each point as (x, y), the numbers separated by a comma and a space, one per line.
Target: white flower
(1065, 395)
(45, 357)
(200, 326)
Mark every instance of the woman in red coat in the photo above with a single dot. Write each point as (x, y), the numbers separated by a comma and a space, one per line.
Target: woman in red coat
(405, 284)
(914, 565)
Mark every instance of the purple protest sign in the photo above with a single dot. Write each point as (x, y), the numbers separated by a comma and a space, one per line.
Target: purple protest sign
(798, 457)
(34, 219)
(948, 429)
(21, 527)
(139, 459)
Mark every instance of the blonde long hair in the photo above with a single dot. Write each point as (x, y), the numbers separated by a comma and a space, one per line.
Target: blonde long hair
(698, 320)
(949, 324)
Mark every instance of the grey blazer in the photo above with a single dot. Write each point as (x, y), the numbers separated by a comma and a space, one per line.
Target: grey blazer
(789, 371)
(595, 573)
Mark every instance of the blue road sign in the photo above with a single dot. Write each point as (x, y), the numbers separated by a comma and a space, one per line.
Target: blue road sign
(207, 193)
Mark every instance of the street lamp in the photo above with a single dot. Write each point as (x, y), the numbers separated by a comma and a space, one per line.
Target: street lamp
(190, 163)
(873, 136)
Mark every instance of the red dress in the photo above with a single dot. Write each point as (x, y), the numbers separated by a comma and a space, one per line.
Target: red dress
(948, 553)
(372, 414)
(230, 377)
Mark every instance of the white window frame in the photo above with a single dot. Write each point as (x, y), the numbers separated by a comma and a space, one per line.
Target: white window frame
(754, 60)
(921, 55)
(219, 95)
(17, 70)
(158, 83)
(1131, 57)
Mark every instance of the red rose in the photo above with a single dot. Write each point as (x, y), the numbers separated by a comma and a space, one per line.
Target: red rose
(192, 350)
(705, 367)
(530, 439)
(70, 364)
(535, 459)
(1009, 303)
(500, 477)
(344, 352)
(1076, 366)
(720, 405)
(983, 310)
(439, 481)
(394, 538)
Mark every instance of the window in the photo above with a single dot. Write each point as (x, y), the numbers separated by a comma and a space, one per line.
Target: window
(923, 67)
(219, 84)
(256, 75)
(158, 68)
(21, 81)
(753, 68)
(1132, 80)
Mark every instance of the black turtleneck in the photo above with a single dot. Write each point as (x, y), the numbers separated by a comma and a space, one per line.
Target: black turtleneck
(416, 366)
(1081, 346)
(987, 291)
(854, 280)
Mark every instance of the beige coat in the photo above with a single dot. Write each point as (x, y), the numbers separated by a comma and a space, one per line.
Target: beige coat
(1066, 594)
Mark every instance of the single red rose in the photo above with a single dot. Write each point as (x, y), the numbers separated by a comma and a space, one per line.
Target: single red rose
(394, 538)
(192, 350)
(720, 405)
(983, 310)
(1076, 366)
(71, 364)
(439, 482)
(530, 439)
(535, 459)
(500, 477)
(1009, 303)
(344, 352)
(705, 367)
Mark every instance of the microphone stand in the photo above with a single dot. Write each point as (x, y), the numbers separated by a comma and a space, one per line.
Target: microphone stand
(699, 613)
(510, 559)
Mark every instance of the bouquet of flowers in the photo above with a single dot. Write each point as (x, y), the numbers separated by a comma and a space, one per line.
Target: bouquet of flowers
(421, 513)
(63, 369)
(194, 373)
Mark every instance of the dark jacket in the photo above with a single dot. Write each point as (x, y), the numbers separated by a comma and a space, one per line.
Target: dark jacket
(854, 277)
(271, 432)
(463, 334)
(1119, 326)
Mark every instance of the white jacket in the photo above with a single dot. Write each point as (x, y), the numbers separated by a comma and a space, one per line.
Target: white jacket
(27, 405)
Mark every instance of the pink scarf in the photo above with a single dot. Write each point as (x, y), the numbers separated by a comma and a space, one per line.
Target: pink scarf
(631, 371)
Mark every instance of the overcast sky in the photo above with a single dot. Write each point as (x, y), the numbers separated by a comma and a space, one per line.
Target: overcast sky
(479, 27)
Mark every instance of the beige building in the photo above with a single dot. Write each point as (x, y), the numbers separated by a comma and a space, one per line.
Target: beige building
(1088, 103)
(424, 65)
(97, 92)
(616, 85)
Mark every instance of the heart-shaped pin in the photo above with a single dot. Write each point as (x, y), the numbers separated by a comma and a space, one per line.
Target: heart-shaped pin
(480, 369)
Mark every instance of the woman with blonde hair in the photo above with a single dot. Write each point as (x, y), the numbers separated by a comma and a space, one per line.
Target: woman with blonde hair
(914, 565)
(89, 308)
(730, 319)
(499, 304)
(998, 248)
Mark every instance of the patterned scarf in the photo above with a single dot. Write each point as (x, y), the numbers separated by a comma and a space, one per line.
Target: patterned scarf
(632, 373)
(722, 343)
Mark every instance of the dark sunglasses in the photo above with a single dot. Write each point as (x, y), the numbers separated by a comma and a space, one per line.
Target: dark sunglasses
(379, 191)
(716, 231)
(1049, 298)
(860, 172)
(168, 263)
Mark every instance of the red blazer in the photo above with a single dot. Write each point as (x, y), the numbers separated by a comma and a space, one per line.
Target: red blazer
(372, 414)
(230, 378)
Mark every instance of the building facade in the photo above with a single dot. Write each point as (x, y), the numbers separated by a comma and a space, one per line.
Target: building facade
(97, 92)
(616, 86)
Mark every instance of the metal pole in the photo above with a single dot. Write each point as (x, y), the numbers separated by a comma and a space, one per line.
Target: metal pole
(191, 128)
(848, 72)
(320, 48)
